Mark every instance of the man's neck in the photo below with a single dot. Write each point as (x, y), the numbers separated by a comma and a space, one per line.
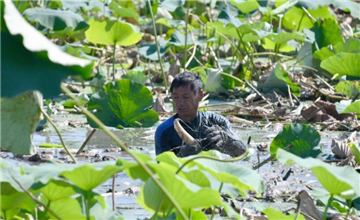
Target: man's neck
(189, 119)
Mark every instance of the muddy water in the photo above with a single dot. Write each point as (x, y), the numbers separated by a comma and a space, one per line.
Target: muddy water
(280, 193)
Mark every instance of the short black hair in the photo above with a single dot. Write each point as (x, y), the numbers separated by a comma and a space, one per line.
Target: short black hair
(187, 79)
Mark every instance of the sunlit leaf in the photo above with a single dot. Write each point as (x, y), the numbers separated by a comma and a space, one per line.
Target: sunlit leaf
(135, 170)
(171, 5)
(13, 199)
(353, 107)
(43, 64)
(112, 32)
(123, 104)
(348, 88)
(55, 20)
(340, 181)
(279, 79)
(187, 195)
(67, 208)
(55, 190)
(124, 12)
(327, 32)
(355, 151)
(304, 139)
(274, 214)
(87, 177)
(296, 18)
(343, 64)
(246, 6)
(20, 116)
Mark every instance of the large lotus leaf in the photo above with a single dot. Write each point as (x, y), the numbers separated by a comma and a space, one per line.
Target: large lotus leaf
(284, 37)
(112, 32)
(296, 18)
(339, 181)
(304, 139)
(124, 12)
(11, 199)
(123, 104)
(87, 177)
(171, 5)
(351, 45)
(55, 189)
(352, 6)
(279, 79)
(55, 20)
(43, 65)
(9, 171)
(68, 208)
(274, 214)
(178, 39)
(187, 194)
(270, 45)
(228, 30)
(226, 16)
(343, 64)
(246, 6)
(243, 178)
(20, 116)
(149, 50)
(135, 76)
(134, 170)
(352, 108)
(327, 32)
(348, 88)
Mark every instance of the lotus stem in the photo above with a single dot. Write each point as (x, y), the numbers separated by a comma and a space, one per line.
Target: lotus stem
(157, 46)
(186, 137)
(58, 133)
(86, 141)
(114, 61)
(186, 31)
(327, 206)
(123, 147)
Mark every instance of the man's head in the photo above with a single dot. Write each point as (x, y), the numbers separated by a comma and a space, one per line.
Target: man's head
(186, 91)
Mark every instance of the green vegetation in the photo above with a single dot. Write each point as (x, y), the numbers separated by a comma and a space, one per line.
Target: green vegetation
(121, 49)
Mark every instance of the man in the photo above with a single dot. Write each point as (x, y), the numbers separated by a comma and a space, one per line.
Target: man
(213, 131)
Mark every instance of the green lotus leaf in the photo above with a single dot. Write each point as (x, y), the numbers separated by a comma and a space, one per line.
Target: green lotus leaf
(20, 116)
(87, 177)
(112, 32)
(67, 208)
(72, 5)
(10, 171)
(274, 214)
(43, 64)
(124, 12)
(135, 76)
(338, 181)
(227, 16)
(69, 103)
(187, 194)
(171, 23)
(279, 79)
(348, 88)
(343, 64)
(284, 37)
(12, 200)
(149, 50)
(123, 104)
(55, 20)
(304, 139)
(55, 190)
(178, 39)
(270, 45)
(134, 170)
(353, 107)
(327, 32)
(296, 19)
(171, 5)
(351, 45)
(246, 6)
(213, 80)
(355, 151)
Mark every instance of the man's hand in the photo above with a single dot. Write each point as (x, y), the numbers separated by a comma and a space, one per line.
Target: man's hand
(187, 150)
(224, 141)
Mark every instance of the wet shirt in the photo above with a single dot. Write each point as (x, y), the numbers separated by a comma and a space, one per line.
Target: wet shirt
(167, 139)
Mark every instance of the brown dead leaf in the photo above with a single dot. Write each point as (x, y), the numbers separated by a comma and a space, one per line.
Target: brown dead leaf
(327, 113)
(159, 105)
(307, 206)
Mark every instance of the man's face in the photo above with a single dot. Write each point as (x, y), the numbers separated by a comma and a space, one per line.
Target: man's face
(186, 102)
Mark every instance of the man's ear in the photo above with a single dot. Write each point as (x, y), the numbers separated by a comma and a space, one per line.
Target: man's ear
(201, 94)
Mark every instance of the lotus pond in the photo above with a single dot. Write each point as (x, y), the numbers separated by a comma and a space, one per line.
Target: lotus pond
(85, 83)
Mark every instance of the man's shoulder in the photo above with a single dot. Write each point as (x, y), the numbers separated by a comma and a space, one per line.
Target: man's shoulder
(168, 123)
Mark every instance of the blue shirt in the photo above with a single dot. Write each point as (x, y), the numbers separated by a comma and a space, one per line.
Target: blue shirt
(167, 139)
